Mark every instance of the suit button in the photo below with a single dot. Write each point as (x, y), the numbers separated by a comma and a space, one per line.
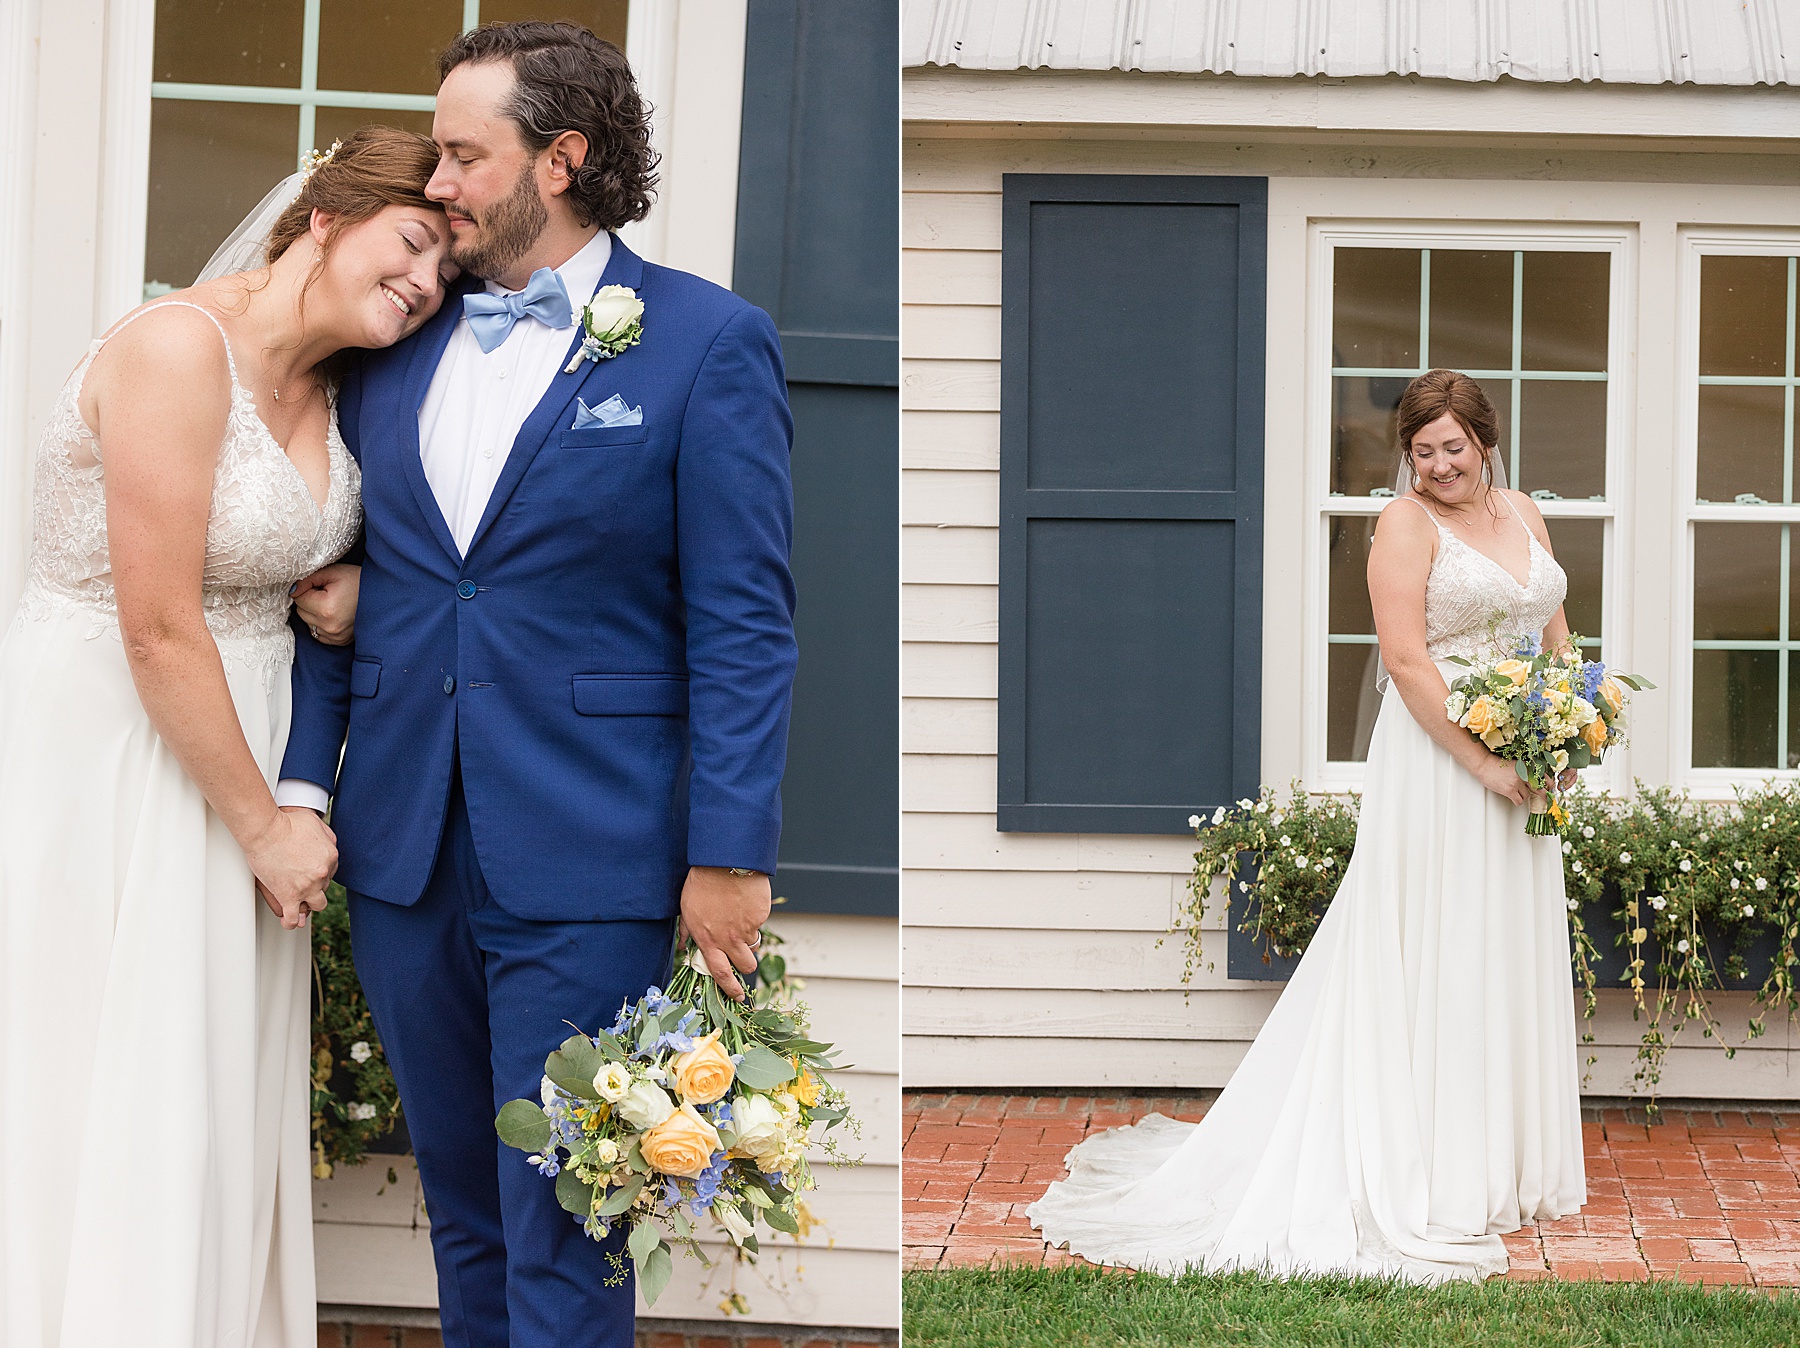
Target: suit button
(465, 589)
(449, 683)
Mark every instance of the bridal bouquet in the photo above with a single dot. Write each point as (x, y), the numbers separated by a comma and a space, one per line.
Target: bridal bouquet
(690, 1111)
(1544, 711)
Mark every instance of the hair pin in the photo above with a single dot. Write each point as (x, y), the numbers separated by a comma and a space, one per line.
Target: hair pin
(309, 163)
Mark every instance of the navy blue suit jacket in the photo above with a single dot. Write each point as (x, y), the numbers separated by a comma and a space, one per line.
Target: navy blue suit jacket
(613, 660)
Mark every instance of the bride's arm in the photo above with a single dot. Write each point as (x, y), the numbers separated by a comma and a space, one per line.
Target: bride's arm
(159, 407)
(1399, 563)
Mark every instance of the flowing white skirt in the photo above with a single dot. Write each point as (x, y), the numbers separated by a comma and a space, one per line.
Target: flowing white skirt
(154, 1179)
(1415, 1091)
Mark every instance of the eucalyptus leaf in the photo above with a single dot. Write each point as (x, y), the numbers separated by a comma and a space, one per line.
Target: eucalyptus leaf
(523, 1125)
(781, 1219)
(642, 1240)
(575, 1194)
(683, 1227)
(653, 1273)
(762, 1070)
(622, 1197)
(610, 1048)
(574, 1066)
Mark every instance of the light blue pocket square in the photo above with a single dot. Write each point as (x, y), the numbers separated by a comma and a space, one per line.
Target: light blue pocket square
(612, 412)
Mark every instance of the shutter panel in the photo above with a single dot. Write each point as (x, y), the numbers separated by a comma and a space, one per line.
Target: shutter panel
(818, 247)
(1131, 474)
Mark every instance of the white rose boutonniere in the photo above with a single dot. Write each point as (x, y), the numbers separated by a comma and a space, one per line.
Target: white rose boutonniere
(609, 324)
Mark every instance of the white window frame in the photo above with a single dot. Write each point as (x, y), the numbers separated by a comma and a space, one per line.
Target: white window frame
(1696, 243)
(1325, 236)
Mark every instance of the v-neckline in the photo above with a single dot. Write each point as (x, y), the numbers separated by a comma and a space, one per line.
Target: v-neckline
(1531, 547)
(319, 507)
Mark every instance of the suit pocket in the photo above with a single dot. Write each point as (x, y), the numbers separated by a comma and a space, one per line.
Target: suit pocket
(604, 437)
(365, 676)
(631, 694)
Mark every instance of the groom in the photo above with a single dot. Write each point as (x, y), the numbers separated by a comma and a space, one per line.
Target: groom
(566, 702)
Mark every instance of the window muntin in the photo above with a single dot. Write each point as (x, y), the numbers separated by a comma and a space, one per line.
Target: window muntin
(242, 91)
(1745, 515)
(1533, 324)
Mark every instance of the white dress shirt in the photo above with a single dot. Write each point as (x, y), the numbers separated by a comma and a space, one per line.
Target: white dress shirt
(472, 413)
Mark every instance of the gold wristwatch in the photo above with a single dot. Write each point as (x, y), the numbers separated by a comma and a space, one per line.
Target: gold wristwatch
(740, 871)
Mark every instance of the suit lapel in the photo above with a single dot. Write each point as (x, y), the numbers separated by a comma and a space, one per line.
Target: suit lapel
(555, 409)
(427, 351)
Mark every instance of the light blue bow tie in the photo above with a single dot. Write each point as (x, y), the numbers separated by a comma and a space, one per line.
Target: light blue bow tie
(545, 298)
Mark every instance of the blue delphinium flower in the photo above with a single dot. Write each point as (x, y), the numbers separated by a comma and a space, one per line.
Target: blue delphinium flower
(1593, 673)
(548, 1165)
(706, 1186)
(671, 1194)
(1527, 648)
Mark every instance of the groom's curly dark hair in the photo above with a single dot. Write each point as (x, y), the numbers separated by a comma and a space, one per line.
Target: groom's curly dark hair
(570, 80)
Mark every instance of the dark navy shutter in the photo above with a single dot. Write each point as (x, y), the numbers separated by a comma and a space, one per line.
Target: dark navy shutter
(818, 247)
(1131, 469)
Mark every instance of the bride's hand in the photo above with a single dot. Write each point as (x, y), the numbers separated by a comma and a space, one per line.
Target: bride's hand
(326, 602)
(1498, 776)
(293, 860)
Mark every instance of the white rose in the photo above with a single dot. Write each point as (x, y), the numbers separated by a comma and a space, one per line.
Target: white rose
(606, 1152)
(612, 1082)
(644, 1105)
(736, 1225)
(360, 1051)
(612, 310)
(758, 1123)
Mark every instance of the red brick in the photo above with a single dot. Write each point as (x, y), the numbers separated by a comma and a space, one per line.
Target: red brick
(1575, 1270)
(1715, 1251)
(421, 1338)
(373, 1336)
(659, 1339)
(331, 1336)
(1664, 1249)
(1713, 1273)
(1624, 1270)
(920, 1256)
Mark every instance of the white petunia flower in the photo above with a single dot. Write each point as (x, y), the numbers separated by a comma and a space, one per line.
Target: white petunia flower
(1193, 821)
(1575, 866)
(360, 1112)
(1243, 887)
(1682, 946)
(1286, 841)
(1219, 815)
(1749, 910)
(1300, 861)
(1262, 807)
(1657, 902)
(1686, 865)
(1587, 830)
(360, 1051)
(1574, 904)
(1568, 847)
(1624, 858)
(1734, 882)
(1761, 883)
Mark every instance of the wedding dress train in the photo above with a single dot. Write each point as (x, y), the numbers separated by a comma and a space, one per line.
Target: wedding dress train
(154, 1093)
(1415, 1092)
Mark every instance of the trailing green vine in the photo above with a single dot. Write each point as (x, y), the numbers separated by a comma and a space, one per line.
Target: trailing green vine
(1691, 884)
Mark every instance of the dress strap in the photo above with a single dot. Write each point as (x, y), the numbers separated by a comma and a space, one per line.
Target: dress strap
(230, 358)
(1530, 537)
(1428, 515)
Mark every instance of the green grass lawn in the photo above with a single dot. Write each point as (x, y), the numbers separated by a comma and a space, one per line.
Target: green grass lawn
(1077, 1307)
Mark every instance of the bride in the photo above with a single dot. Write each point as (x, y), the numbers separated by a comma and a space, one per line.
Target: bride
(1414, 1093)
(154, 1180)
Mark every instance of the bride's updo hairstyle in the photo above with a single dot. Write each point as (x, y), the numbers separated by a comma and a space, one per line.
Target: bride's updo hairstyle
(376, 167)
(1436, 392)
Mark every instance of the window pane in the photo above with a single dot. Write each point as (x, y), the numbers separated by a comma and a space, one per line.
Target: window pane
(1349, 553)
(1471, 309)
(337, 123)
(1580, 547)
(1737, 582)
(390, 47)
(1364, 451)
(1565, 311)
(229, 42)
(1562, 437)
(1740, 442)
(1743, 315)
(1351, 702)
(209, 164)
(1375, 308)
(605, 17)
(1735, 709)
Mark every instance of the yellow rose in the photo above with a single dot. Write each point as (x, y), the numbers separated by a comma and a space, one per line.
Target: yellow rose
(681, 1144)
(704, 1073)
(1513, 671)
(1614, 694)
(1481, 716)
(1594, 732)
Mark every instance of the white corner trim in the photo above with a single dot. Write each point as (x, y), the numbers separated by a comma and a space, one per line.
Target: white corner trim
(124, 160)
(18, 106)
(688, 56)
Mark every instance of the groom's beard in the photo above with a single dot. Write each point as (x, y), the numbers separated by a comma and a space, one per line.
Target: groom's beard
(506, 231)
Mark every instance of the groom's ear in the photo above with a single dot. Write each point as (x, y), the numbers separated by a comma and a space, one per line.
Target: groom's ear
(567, 152)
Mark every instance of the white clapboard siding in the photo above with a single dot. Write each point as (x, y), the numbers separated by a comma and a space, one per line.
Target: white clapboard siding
(953, 440)
(372, 1237)
(1032, 960)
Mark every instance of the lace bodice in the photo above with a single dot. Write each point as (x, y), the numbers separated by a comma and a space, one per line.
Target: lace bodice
(264, 532)
(1470, 598)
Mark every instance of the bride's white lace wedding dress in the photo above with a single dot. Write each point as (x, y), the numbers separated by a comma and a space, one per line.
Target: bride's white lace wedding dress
(1415, 1092)
(155, 1189)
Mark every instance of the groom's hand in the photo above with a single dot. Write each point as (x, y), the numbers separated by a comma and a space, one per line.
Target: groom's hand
(723, 915)
(326, 602)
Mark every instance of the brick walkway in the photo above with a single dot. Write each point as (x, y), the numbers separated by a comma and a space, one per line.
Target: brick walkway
(1708, 1196)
